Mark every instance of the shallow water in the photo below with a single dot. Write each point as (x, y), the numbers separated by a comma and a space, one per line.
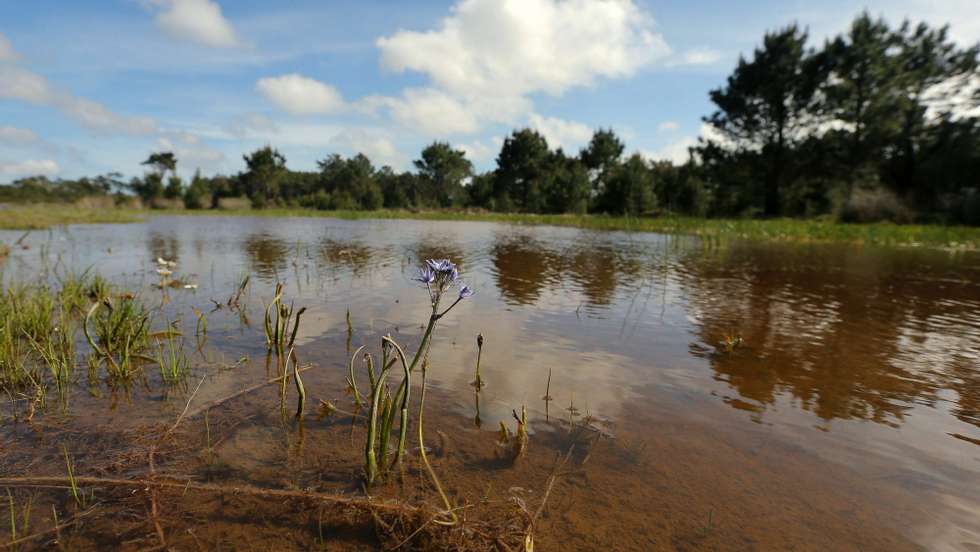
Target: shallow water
(848, 417)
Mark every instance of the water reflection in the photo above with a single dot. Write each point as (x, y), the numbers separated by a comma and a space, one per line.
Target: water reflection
(431, 246)
(163, 245)
(267, 255)
(596, 268)
(353, 256)
(523, 267)
(831, 332)
(828, 333)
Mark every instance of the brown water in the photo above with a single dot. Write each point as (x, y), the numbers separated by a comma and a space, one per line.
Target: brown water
(848, 418)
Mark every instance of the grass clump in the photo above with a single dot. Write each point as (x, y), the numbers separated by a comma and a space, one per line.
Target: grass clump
(172, 360)
(118, 331)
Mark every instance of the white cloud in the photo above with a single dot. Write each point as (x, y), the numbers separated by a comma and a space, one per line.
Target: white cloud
(432, 111)
(13, 136)
(199, 21)
(375, 145)
(192, 153)
(41, 167)
(697, 56)
(568, 135)
(480, 151)
(677, 151)
(523, 46)
(668, 126)
(20, 84)
(488, 56)
(7, 52)
(300, 95)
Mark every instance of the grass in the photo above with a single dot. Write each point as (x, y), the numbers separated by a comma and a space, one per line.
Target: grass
(41, 216)
(801, 230)
(38, 327)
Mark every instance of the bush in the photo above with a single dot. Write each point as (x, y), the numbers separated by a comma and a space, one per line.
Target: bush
(874, 205)
(233, 203)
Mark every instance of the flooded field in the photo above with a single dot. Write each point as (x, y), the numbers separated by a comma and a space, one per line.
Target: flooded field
(679, 395)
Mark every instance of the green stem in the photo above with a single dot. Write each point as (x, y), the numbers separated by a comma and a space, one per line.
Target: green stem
(300, 389)
(407, 385)
(350, 376)
(371, 460)
(425, 459)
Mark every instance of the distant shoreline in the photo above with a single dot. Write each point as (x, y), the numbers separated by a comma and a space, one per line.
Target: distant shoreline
(41, 216)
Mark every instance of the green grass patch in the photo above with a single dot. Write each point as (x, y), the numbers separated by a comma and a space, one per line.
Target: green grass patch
(41, 216)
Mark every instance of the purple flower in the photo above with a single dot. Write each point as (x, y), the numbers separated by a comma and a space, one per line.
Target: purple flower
(426, 275)
(442, 265)
(465, 291)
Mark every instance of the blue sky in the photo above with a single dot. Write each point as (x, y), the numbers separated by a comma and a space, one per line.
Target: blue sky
(88, 87)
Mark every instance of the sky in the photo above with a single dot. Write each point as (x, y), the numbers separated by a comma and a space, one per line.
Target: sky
(89, 87)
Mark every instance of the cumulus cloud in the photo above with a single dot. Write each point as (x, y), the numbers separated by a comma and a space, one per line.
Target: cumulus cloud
(432, 111)
(568, 135)
(13, 136)
(488, 56)
(40, 167)
(481, 151)
(678, 150)
(7, 52)
(668, 126)
(300, 95)
(199, 21)
(20, 84)
(523, 46)
(377, 146)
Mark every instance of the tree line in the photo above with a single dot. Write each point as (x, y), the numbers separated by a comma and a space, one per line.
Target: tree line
(877, 123)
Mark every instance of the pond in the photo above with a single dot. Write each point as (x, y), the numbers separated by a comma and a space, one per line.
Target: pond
(679, 394)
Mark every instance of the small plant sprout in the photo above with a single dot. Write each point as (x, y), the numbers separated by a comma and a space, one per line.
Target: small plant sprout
(521, 438)
(478, 382)
(547, 398)
(202, 324)
(73, 485)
